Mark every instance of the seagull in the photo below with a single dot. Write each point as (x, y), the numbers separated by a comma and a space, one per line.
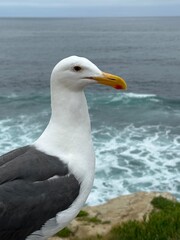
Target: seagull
(44, 185)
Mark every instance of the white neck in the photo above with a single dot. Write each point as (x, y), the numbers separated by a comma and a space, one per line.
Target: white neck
(68, 134)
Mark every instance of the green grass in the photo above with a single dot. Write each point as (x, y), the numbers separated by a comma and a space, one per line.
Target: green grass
(82, 213)
(163, 224)
(64, 233)
(93, 220)
(87, 219)
(84, 216)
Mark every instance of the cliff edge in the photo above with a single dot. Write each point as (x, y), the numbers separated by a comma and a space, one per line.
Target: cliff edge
(99, 220)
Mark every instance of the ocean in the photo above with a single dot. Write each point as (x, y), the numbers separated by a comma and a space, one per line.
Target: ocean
(136, 133)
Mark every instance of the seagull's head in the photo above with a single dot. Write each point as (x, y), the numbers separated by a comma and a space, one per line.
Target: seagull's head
(75, 73)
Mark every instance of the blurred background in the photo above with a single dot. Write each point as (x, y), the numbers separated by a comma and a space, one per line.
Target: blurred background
(136, 133)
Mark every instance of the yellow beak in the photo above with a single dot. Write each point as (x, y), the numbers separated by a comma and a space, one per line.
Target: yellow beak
(111, 80)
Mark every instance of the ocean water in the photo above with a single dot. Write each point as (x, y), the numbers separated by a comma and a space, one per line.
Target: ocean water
(136, 133)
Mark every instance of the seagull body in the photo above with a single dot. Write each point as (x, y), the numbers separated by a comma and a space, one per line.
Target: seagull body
(43, 186)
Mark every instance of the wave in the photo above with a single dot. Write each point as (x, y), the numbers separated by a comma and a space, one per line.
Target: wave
(140, 152)
(139, 95)
(110, 97)
(19, 131)
(149, 97)
(129, 159)
(29, 97)
(145, 158)
(135, 97)
(131, 99)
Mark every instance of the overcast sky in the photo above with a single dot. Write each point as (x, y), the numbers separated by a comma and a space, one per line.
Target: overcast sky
(88, 8)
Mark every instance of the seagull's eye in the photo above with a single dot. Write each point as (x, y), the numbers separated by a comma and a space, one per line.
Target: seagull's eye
(77, 68)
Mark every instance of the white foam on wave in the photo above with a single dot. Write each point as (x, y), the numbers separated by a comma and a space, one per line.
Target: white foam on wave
(139, 95)
(12, 95)
(16, 132)
(128, 97)
(143, 158)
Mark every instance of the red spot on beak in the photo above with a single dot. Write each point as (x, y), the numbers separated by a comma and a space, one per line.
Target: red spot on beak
(118, 87)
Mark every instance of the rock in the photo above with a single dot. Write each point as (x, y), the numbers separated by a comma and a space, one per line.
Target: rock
(102, 218)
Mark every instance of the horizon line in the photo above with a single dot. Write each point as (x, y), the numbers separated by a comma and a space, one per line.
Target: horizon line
(56, 17)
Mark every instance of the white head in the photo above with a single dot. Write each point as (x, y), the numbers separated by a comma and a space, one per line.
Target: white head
(74, 73)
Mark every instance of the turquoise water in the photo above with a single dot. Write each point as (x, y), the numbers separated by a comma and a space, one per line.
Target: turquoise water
(136, 133)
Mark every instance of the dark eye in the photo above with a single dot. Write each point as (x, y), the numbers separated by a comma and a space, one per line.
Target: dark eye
(77, 68)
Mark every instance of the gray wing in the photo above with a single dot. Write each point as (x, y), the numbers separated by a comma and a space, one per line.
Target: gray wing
(27, 197)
